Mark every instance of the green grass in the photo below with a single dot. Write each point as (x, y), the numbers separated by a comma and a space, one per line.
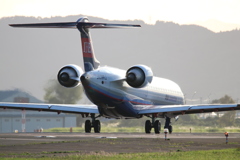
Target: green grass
(178, 154)
(184, 129)
(203, 129)
(103, 129)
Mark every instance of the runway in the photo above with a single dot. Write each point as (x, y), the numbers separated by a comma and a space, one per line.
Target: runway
(73, 135)
(18, 138)
(70, 143)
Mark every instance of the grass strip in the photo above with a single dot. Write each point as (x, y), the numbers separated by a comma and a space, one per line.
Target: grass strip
(224, 154)
(183, 129)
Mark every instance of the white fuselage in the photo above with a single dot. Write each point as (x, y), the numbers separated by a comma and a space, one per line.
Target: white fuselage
(107, 88)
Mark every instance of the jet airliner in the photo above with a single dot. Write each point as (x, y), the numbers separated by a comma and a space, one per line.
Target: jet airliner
(117, 93)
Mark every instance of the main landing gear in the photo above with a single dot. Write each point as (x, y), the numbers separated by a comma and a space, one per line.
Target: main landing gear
(156, 124)
(94, 124)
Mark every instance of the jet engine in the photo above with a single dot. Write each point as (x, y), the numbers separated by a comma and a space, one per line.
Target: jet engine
(139, 76)
(69, 75)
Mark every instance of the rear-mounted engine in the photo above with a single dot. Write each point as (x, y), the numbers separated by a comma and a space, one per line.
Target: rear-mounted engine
(69, 75)
(139, 76)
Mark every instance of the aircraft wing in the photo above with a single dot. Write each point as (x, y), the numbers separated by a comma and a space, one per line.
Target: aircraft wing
(184, 109)
(66, 108)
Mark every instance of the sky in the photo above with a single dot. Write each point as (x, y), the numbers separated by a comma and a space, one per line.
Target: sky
(216, 15)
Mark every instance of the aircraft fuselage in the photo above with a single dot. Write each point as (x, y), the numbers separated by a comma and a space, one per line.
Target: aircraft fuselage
(106, 87)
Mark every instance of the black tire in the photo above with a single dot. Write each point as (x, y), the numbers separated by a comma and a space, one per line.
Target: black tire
(148, 126)
(88, 126)
(170, 129)
(157, 126)
(97, 126)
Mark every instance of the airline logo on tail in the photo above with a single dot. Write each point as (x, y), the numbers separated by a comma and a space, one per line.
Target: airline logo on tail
(87, 47)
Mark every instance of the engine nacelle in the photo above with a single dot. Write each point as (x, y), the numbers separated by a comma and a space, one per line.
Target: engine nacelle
(69, 75)
(139, 76)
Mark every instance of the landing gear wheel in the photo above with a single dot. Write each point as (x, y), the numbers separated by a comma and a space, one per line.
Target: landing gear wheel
(148, 126)
(88, 126)
(157, 127)
(170, 129)
(97, 126)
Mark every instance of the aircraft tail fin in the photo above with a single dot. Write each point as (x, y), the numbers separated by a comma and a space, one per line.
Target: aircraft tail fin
(82, 24)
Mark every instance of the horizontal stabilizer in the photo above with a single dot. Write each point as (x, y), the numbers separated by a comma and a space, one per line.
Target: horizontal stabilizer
(74, 25)
(47, 25)
(83, 26)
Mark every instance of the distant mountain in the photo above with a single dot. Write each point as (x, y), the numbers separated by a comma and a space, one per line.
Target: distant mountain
(217, 26)
(193, 56)
(17, 95)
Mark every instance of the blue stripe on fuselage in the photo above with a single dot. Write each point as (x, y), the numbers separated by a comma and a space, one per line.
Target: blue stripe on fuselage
(116, 96)
(118, 102)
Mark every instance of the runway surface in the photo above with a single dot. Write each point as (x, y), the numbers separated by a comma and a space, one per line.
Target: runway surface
(69, 135)
(71, 143)
(19, 138)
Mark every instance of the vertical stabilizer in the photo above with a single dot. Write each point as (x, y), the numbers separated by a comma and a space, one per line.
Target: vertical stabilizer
(90, 61)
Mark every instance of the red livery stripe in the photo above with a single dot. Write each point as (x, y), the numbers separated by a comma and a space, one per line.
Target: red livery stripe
(87, 48)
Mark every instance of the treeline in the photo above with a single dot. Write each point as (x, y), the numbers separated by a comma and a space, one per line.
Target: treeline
(223, 119)
(227, 120)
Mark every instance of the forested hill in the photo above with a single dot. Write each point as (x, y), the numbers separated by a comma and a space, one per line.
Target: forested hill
(192, 56)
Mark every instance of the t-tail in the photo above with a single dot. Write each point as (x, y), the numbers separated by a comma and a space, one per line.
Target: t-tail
(82, 24)
(90, 61)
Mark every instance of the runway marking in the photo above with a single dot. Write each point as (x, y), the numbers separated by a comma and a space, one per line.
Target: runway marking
(107, 137)
(45, 136)
(25, 139)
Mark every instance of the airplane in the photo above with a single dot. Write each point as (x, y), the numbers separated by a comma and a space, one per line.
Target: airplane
(116, 93)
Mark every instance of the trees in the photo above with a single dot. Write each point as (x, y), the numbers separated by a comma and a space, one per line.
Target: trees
(188, 119)
(224, 100)
(228, 119)
(55, 93)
